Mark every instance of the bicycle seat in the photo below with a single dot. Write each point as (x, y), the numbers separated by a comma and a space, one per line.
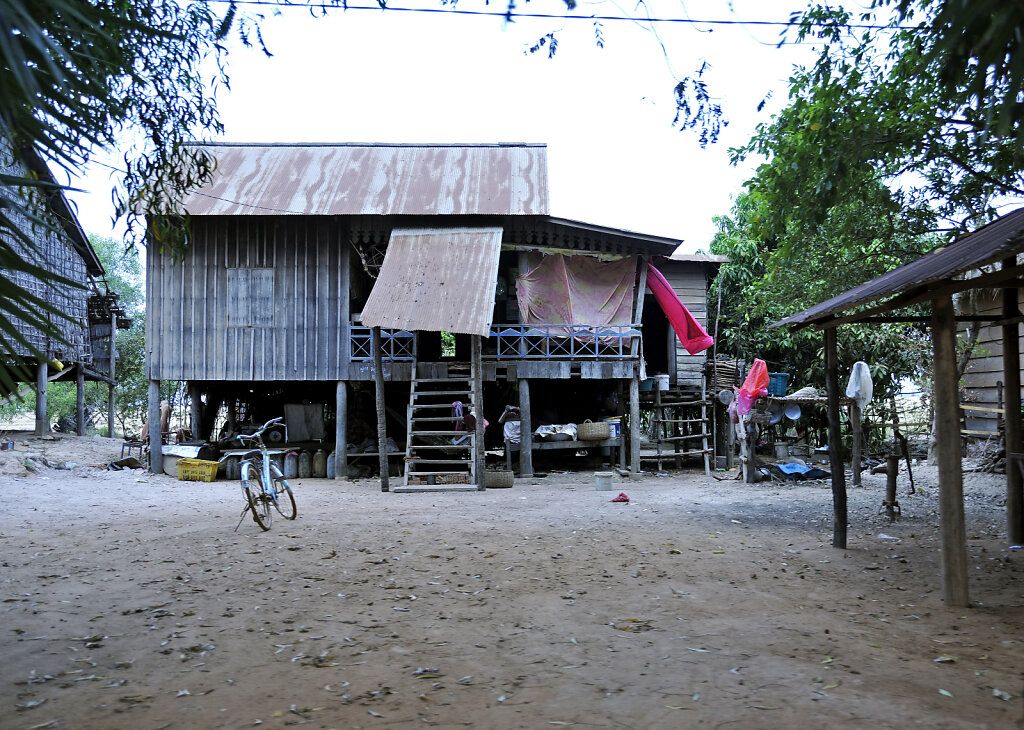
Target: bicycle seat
(255, 453)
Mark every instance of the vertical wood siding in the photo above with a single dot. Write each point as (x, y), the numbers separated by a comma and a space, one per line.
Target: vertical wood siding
(985, 369)
(689, 282)
(276, 316)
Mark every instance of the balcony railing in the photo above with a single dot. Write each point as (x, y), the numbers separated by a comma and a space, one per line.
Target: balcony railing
(396, 345)
(562, 342)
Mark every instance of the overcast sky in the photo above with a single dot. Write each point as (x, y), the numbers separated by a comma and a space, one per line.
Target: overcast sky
(605, 113)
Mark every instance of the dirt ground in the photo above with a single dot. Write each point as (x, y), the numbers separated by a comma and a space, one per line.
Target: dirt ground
(128, 601)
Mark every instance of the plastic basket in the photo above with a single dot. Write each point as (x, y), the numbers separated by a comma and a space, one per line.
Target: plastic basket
(197, 470)
(777, 384)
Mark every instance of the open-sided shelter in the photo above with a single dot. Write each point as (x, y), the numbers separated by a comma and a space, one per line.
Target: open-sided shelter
(935, 278)
(399, 286)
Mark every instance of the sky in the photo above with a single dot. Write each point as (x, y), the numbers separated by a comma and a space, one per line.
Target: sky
(605, 113)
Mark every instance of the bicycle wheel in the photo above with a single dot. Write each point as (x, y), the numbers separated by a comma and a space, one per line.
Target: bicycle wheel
(259, 500)
(284, 499)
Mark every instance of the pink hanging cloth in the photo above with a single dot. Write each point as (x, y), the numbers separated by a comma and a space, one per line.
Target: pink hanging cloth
(694, 337)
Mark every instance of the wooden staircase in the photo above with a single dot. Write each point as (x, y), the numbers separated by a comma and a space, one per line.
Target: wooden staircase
(440, 453)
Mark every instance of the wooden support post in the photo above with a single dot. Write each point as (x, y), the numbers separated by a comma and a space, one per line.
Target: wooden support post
(621, 412)
(856, 442)
(525, 430)
(634, 425)
(113, 374)
(42, 426)
(892, 470)
(1011, 377)
(753, 430)
(156, 456)
(947, 449)
(341, 430)
(382, 434)
(746, 462)
(657, 423)
(835, 442)
(80, 399)
(195, 398)
(479, 448)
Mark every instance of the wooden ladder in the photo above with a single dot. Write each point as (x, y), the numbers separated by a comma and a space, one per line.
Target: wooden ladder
(439, 452)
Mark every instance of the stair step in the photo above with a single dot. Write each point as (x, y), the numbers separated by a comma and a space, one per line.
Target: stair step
(432, 405)
(441, 433)
(441, 392)
(448, 473)
(443, 380)
(432, 446)
(414, 488)
(440, 419)
(415, 460)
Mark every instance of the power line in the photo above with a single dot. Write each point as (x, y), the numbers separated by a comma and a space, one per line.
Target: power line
(512, 15)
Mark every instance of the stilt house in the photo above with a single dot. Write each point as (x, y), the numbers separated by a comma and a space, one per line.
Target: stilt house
(55, 242)
(303, 257)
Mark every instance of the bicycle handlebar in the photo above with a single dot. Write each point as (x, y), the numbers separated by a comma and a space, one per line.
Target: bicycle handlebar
(261, 429)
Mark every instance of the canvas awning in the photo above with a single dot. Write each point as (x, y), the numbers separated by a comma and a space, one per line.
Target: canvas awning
(437, 279)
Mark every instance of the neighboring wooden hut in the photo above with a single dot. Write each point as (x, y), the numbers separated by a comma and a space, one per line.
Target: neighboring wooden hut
(936, 278)
(303, 256)
(84, 350)
(983, 384)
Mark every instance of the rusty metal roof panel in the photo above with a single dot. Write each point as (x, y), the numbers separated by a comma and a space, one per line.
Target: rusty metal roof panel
(374, 179)
(437, 279)
(994, 242)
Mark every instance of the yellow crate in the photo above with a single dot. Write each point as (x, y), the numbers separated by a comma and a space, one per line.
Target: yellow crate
(197, 470)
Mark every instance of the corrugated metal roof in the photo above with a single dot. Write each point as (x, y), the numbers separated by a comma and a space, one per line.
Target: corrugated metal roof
(699, 258)
(374, 179)
(998, 240)
(437, 279)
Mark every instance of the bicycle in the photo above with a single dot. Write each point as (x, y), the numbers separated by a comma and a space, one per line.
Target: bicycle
(263, 484)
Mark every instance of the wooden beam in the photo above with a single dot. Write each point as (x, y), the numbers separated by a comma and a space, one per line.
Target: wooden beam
(195, 396)
(856, 442)
(634, 425)
(156, 456)
(925, 293)
(80, 399)
(987, 318)
(525, 430)
(479, 450)
(113, 374)
(382, 434)
(835, 442)
(1011, 379)
(620, 411)
(41, 425)
(947, 449)
(341, 429)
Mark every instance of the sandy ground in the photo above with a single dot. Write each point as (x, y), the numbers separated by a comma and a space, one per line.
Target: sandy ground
(128, 601)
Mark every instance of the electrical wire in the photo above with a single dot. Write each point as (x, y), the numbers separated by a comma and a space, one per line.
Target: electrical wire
(513, 15)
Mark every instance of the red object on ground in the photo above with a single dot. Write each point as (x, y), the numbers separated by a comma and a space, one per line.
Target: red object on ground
(623, 497)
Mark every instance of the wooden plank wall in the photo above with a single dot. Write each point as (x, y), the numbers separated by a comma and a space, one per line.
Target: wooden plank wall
(255, 298)
(985, 368)
(690, 283)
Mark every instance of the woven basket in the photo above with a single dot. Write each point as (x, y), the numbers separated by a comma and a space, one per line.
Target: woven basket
(590, 431)
(498, 479)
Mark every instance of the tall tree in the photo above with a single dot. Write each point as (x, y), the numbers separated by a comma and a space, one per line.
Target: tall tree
(890, 104)
(764, 282)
